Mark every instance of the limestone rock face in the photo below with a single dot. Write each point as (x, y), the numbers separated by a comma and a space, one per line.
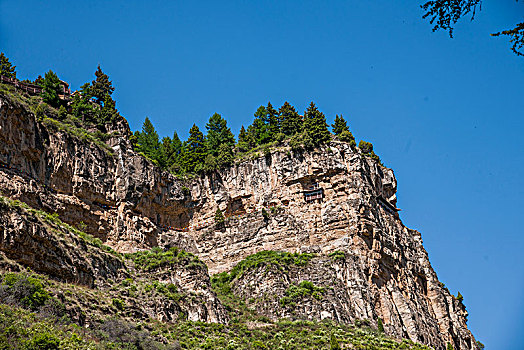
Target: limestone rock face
(270, 204)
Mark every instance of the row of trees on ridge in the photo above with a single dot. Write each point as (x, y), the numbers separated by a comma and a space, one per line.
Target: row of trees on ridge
(93, 105)
(218, 147)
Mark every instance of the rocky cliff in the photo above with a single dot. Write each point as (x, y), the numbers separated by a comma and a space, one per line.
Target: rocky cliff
(332, 200)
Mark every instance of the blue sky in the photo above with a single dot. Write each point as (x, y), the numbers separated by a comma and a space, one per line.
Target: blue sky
(445, 114)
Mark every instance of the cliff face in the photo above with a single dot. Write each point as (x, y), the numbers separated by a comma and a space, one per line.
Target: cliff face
(131, 205)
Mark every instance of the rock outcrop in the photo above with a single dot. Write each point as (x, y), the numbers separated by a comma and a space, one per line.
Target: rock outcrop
(322, 201)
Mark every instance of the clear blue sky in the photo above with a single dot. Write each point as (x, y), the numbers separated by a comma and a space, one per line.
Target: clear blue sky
(445, 114)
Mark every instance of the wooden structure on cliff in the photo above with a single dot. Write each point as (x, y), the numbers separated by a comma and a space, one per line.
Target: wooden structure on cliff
(313, 192)
(33, 89)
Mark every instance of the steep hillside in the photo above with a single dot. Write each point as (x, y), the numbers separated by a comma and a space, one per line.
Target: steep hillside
(333, 204)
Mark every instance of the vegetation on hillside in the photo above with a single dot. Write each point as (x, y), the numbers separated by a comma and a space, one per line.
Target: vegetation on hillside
(37, 312)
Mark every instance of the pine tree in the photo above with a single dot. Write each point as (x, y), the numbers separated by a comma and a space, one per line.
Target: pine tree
(315, 125)
(51, 89)
(341, 130)
(291, 123)
(273, 120)
(81, 105)
(107, 112)
(194, 151)
(259, 130)
(101, 86)
(225, 156)
(218, 134)
(149, 144)
(171, 149)
(243, 140)
(339, 125)
(6, 68)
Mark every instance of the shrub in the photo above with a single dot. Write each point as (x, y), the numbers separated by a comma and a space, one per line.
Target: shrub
(118, 304)
(265, 214)
(365, 147)
(334, 342)
(40, 112)
(347, 136)
(156, 258)
(219, 218)
(45, 341)
(304, 289)
(62, 113)
(380, 325)
(23, 290)
(337, 255)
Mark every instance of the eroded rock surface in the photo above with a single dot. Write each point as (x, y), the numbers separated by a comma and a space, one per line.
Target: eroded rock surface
(124, 200)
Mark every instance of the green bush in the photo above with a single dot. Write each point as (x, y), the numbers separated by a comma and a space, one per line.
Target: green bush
(334, 343)
(118, 304)
(219, 218)
(365, 147)
(295, 293)
(337, 255)
(157, 258)
(45, 341)
(23, 290)
(380, 325)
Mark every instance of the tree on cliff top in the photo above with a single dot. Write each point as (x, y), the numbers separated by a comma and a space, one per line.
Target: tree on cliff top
(6, 68)
(341, 130)
(259, 130)
(149, 144)
(51, 89)
(194, 151)
(315, 126)
(218, 133)
(290, 120)
(101, 86)
(273, 119)
(339, 125)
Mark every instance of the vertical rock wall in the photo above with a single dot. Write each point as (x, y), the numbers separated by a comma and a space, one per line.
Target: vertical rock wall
(130, 204)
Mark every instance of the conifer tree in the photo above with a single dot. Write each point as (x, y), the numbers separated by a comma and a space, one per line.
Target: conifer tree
(273, 120)
(218, 134)
(81, 104)
(339, 125)
(194, 151)
(243, 140)
(101, 86)
(259, 130)
(225, 156)
(291, 123)
(171, 149)
(315, 125)
(108, 111)
(148, 143)
(6, 68)
(51, 89)
(341, 130)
